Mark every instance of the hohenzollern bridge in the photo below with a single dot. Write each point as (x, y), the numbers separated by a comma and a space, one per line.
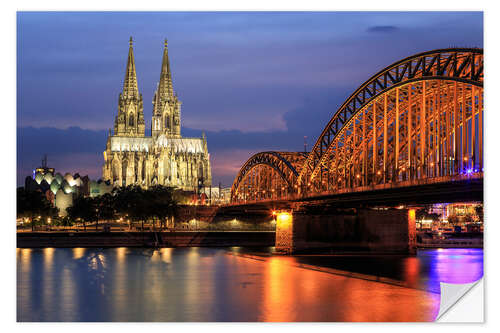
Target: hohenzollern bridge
(412, 133)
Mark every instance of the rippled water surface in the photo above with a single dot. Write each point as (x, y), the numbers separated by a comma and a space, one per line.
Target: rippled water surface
(206, 284)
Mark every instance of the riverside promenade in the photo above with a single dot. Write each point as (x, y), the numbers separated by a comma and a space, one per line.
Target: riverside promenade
(146, 239)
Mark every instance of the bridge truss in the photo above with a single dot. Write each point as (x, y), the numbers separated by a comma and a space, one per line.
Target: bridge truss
(268, 175)
(419, 120)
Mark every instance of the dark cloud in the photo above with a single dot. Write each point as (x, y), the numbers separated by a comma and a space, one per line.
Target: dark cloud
(383, 28)
(80, 150)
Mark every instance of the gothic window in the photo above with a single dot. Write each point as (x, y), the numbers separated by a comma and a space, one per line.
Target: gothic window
(167, 122)
(131, 120)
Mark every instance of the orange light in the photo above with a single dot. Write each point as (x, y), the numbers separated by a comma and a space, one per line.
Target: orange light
(465, 158)
(283, 219)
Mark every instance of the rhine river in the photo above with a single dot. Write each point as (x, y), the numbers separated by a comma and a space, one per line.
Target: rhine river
(209, 284)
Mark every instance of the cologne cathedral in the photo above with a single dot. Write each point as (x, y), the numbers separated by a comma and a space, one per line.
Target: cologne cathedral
(165, 157)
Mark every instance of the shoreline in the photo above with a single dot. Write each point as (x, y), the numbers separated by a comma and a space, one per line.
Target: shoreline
(155, 239)
(145, 239)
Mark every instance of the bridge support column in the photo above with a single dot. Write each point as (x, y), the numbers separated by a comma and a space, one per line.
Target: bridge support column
(381, 231)
(286, 232)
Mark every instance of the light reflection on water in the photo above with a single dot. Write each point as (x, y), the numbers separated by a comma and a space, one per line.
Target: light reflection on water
(204, 284)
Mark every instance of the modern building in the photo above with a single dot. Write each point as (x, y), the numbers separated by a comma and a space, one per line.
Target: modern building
(165, 157)
(61, 190)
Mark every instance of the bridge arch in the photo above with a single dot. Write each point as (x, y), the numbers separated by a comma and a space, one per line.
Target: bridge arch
(267, 175)
(418, 118)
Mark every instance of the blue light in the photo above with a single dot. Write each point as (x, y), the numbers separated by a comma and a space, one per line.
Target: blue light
(469, 171)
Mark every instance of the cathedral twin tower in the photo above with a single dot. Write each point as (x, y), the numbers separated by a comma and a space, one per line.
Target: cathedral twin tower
(165, 157)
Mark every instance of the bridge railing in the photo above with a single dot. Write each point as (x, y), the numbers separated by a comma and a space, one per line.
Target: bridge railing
(408, 183)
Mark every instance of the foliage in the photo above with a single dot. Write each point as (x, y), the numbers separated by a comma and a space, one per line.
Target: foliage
(83, 208)
(32, 204)
(138, 204)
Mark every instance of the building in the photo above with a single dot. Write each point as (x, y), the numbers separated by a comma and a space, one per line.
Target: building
(165, 157)
(61, 190)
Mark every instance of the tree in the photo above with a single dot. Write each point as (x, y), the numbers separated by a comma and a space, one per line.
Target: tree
(131, 202)
(33, 203)
(163, 203)
(105, 205)
(83, 208)
(66, 221)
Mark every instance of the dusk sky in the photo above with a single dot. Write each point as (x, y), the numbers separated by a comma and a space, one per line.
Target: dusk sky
(252, 81)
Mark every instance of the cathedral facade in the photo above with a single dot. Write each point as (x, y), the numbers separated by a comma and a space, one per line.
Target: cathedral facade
(165, 157)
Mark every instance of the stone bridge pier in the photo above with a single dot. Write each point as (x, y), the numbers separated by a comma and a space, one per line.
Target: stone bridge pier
(373, 230)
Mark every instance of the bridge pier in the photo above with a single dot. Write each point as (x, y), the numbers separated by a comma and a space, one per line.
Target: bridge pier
(373, 230)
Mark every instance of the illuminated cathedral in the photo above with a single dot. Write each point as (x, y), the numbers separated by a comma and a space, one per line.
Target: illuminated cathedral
(165, 157)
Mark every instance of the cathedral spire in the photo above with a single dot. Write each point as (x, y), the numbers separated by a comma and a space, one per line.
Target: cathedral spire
(165, 88)
(130, 88)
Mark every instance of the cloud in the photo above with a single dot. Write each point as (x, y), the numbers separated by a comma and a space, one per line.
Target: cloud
(383, 28)
(80, 150)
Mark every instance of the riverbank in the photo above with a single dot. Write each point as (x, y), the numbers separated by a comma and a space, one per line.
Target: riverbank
(146, 239)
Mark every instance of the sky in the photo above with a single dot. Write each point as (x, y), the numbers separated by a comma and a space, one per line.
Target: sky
(253, 81)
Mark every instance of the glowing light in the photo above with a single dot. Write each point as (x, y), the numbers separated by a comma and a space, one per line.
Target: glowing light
(78, 252)
(283, 219)
(357, 176)
(469, 171)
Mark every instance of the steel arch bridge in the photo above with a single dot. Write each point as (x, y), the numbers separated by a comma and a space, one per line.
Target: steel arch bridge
(268, 175)
(419, 120)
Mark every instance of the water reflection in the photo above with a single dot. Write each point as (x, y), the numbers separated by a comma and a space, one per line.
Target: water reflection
(203, 284)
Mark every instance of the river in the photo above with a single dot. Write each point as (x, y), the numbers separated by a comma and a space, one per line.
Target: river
(223, 284)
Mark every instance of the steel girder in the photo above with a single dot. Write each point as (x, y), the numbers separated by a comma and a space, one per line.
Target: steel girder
(284, 164)
(456, 64)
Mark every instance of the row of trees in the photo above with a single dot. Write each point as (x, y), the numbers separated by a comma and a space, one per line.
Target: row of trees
(34, 206)
(156, 204)
(133, 203)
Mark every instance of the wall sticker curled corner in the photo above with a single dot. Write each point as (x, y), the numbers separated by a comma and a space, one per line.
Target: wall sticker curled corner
(454, 295)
